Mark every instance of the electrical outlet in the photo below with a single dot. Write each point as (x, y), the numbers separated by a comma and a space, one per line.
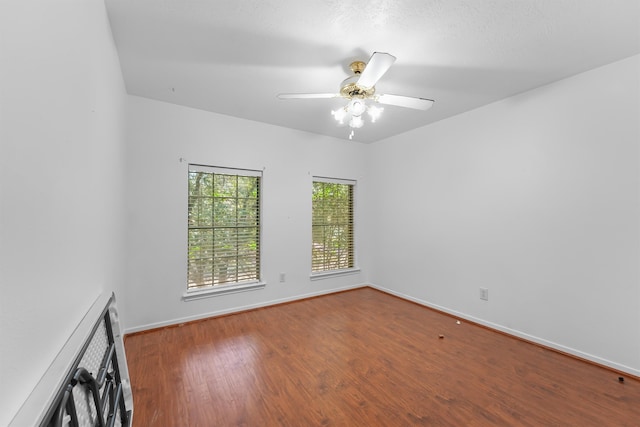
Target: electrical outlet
(484, 294)
(282, 277)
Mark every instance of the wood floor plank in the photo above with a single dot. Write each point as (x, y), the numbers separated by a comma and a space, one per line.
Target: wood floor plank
(363, 358)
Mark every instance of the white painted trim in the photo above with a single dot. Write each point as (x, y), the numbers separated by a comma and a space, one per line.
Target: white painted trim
(218, 290)
(329, 180)
(333, 273)
(223, 170)
(515, 333)
(240, 309)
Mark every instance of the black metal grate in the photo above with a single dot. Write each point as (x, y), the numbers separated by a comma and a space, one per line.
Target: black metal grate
(92, 393)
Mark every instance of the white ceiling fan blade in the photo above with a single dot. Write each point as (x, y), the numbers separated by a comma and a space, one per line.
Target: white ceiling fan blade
(378, 64)
(308, 95)
(406, 101)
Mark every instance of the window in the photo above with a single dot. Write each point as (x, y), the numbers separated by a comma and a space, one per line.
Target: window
(223, 227)
(332, 225)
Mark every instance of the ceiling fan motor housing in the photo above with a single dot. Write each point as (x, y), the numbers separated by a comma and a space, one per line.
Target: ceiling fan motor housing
(350, 88)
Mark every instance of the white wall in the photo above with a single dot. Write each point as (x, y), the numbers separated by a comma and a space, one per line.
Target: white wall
(61, 176)
(536, 198)
(161, 134)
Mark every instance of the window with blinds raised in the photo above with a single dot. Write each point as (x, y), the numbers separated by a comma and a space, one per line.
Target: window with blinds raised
(223, 227)
(332, 225)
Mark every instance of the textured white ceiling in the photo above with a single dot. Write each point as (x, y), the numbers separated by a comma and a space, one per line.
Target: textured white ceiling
(234, 57)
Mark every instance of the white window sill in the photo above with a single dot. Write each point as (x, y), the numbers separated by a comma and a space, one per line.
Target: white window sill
(217, 290)
(334, 273)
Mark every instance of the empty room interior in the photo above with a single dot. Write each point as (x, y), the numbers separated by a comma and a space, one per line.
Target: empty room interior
(322, 213)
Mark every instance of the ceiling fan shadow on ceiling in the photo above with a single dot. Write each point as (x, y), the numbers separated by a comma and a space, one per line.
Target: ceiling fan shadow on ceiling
(360, 88)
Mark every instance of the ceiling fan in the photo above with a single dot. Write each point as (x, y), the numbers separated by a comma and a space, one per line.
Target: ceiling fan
(361, 87)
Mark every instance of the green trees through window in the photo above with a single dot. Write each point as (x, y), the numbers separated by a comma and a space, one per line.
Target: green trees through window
(332, 226)
(223, 226)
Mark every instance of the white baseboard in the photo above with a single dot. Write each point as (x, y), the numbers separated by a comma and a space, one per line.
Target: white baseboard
(238, 309)
(515, 333)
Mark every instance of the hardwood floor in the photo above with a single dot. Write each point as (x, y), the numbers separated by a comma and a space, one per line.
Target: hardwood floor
(363, 358)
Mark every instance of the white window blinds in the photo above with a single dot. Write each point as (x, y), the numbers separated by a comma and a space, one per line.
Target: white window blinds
(332, 225)
(223, 226)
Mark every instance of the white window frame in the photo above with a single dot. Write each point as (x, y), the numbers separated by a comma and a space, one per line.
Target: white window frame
(319, 275)
(234, 287)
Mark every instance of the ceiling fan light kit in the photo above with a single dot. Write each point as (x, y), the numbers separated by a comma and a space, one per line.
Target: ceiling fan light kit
(361, 87)
(353, 112)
